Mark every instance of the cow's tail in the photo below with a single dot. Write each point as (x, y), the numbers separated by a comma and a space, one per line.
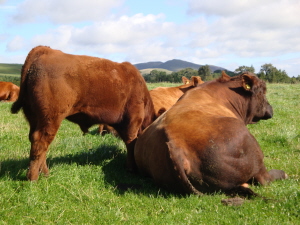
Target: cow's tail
(32, 55)
(18, 104)
(177, 158)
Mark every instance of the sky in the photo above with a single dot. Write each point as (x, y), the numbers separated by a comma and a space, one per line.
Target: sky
(228, 34)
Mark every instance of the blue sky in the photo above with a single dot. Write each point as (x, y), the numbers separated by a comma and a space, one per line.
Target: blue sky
(228, 33)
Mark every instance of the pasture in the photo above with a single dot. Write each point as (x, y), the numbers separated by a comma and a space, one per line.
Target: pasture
(89, 185)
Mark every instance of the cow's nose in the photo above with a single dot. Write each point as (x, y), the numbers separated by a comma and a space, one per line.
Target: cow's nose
(268, 113)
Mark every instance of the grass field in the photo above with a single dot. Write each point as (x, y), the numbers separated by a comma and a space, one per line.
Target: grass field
(85, 172)
(10, 72)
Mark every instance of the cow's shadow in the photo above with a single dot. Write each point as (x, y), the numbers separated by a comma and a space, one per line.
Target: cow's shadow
(109, 157)
(15, 169)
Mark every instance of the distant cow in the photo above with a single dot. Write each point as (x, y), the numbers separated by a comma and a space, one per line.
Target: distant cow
(163, 98)
(85, 90)
(9, 92)
(202, 143)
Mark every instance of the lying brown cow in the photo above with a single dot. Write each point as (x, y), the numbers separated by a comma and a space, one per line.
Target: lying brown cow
(165, 97)
(202, 143)
(9, 92)
(85, 90)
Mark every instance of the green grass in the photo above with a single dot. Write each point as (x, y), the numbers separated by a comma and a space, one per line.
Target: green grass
(85, 172)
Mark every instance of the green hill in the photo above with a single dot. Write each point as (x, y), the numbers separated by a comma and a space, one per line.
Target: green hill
(10, 72)
(10, 69)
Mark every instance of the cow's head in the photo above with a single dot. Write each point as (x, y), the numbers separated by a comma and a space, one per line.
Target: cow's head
(259, 107)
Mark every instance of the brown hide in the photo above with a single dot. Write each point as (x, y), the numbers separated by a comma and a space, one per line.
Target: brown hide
(85, 90)
(9, 92)
(202, 143)
(163, 98)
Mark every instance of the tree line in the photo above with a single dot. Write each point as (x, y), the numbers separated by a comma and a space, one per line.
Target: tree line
(268, 73)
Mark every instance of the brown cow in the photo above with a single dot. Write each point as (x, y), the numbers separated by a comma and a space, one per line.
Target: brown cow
(85, 90)
(9, 92)
(202, 143)
(163, 98)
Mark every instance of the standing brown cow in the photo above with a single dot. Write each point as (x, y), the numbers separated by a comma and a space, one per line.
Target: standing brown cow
(9, 92)
(202, 143)
(85, 90)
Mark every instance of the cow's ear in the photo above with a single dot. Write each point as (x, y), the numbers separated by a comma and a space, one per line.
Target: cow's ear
(224, 77)
(196, 80)
(185, 80)
(247, 82)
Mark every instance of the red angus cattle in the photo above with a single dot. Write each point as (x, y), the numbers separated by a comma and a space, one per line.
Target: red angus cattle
(202, 143)
(9, 92)
(85, 90)
(165, 97)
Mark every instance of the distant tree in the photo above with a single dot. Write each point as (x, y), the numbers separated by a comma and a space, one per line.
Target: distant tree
(204, 72)
(266, 68)
(243, 69)
(270, 73)
(229, 73)
(187, 72)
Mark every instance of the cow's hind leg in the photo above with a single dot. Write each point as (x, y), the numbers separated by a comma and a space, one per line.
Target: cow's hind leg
(128, 130)
(265, 177)
(40, 139)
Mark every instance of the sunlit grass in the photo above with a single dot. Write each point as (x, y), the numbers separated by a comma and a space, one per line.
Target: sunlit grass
(85, 172)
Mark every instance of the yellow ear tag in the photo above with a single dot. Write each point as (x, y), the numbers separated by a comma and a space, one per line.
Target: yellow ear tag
(248, 87)
(187, 82)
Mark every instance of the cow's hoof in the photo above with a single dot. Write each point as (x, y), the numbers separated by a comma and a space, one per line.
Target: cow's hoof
(278, 174)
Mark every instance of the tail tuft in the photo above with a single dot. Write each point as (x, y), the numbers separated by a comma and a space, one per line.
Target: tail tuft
(15, 108)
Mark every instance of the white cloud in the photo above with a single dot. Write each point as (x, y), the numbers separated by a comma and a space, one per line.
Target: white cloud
(250, 28)
(219, 32)
(125, 35)
(225, 8)
(16, 44)
(66, 11)
(56, 38)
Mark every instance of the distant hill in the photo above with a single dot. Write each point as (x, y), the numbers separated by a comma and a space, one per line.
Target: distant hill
(10, 69)
(147, 71)
(174, 65)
